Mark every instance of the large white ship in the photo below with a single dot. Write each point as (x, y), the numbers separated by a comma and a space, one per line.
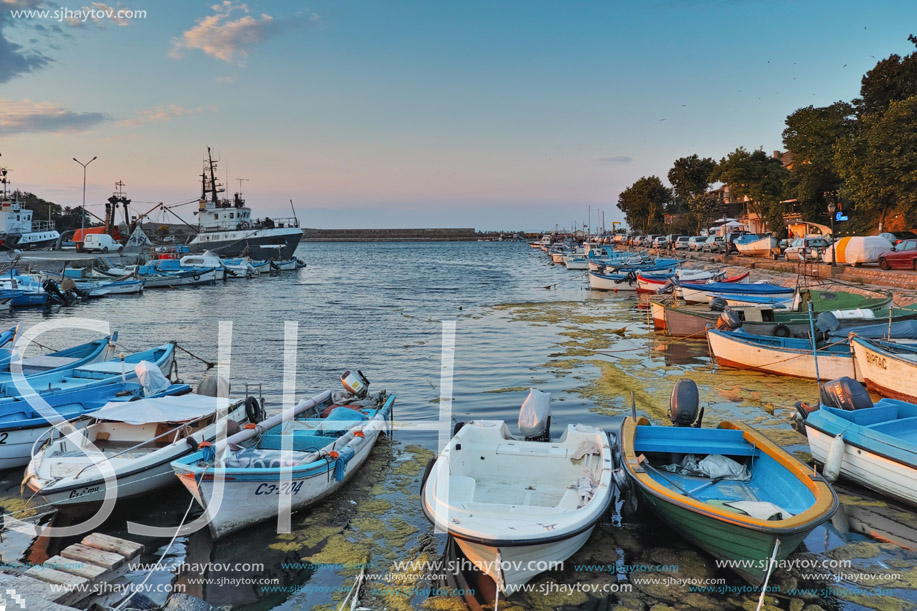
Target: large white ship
(17, 229)
(227, 228)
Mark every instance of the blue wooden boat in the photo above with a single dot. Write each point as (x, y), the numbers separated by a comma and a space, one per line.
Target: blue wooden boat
(76, 356)
(872, 445)
(731, 288)
(22, 424)
(90, 375)
(759, 512)
(8, 335)
(329, 447)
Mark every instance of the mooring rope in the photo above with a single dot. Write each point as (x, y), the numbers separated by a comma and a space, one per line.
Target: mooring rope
(165, 551)
(209, 364)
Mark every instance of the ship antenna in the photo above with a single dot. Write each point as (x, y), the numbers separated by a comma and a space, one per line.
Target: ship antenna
(294, 213)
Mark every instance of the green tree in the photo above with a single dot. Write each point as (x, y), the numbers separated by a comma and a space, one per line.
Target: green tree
(879, 163)
(705, 207)
(758, 177)
(893, 78)
(811, 135)
(643, 204)
(690, 180)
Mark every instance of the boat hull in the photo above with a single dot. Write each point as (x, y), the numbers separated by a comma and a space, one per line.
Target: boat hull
(734, 350)
(867, 467)
(889, 374)
(607, 283)
(249, 243)
(516, 560)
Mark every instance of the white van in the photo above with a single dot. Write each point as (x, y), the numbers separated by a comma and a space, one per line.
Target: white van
(101, 242)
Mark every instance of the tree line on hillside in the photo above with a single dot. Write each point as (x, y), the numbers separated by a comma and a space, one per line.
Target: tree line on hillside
(860, 155)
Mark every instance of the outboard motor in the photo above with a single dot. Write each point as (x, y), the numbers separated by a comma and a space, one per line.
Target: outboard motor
(718, 304)
(683, 404)
(845, 393)
(728, 320)
(535, 416)
(53, 290)
(355, 383)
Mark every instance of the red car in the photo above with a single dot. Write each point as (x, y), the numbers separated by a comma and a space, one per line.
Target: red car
(904, 256)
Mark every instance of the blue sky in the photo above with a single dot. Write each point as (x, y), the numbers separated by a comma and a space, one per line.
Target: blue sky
(397, 114)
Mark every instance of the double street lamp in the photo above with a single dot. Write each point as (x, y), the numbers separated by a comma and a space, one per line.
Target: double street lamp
(83, 221)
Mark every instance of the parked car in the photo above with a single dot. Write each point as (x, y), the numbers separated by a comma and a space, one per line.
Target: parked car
(696, 242)
(810, 248)
(682, 242)
(896, 236)
(660, 242)
(101, 242)
(903, 256)
(714, 244)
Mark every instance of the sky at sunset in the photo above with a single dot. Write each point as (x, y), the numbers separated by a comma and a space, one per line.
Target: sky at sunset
(492, 114)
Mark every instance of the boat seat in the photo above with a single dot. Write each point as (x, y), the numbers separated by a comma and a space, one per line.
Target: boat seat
(726, 448)
(895, 427)
(47, 362)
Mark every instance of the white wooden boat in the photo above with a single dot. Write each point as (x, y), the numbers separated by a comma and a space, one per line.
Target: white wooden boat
(137, 439)
(325, 453)
(508, 501)
(779, 355)
(756, 246)
(21, 424)
(576, 262)
(873, 445)
(886, 367)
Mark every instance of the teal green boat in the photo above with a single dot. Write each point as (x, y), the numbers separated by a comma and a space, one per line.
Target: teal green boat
(760, 512)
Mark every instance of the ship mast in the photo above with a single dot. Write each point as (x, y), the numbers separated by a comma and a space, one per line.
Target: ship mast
(4, 181)
(213, 180)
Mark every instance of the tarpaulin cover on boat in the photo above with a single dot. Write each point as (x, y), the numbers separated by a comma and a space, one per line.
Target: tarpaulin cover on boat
(903, 329)
(346, 416)
(164, 409)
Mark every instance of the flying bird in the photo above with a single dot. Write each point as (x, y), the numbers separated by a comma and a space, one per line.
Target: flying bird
(844, 66)
(662, 119)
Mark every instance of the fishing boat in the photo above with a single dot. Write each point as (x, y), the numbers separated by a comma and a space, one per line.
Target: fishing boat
(22, 423)
(17, 229)
(76, 356)
(850, 309)
(886, 367)
(620, 281)
(137, 440)
(200, 264)
(701, 293)
(508, 501)
(654, 283)
(752, 245)
(780, 355)
(872, 445)
(286, 266)
(729, 490)
(227, 228)
(89, 375)
(576, 262)
(329, 437)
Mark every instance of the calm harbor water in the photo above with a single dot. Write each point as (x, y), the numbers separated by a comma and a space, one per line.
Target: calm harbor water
(380, 307)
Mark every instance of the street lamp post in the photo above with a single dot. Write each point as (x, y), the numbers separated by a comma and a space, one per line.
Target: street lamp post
(832, 207)
(83, 209)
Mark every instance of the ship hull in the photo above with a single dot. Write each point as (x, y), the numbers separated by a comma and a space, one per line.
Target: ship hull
(259, 244)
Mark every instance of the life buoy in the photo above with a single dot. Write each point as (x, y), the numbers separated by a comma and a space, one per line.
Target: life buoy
(781, 330)
(196, 276)
(253, 410)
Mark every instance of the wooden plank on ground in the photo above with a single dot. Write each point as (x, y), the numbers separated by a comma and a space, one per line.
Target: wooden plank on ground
(80, 569)
(107, 543)
(78, 551)
(56, 577)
